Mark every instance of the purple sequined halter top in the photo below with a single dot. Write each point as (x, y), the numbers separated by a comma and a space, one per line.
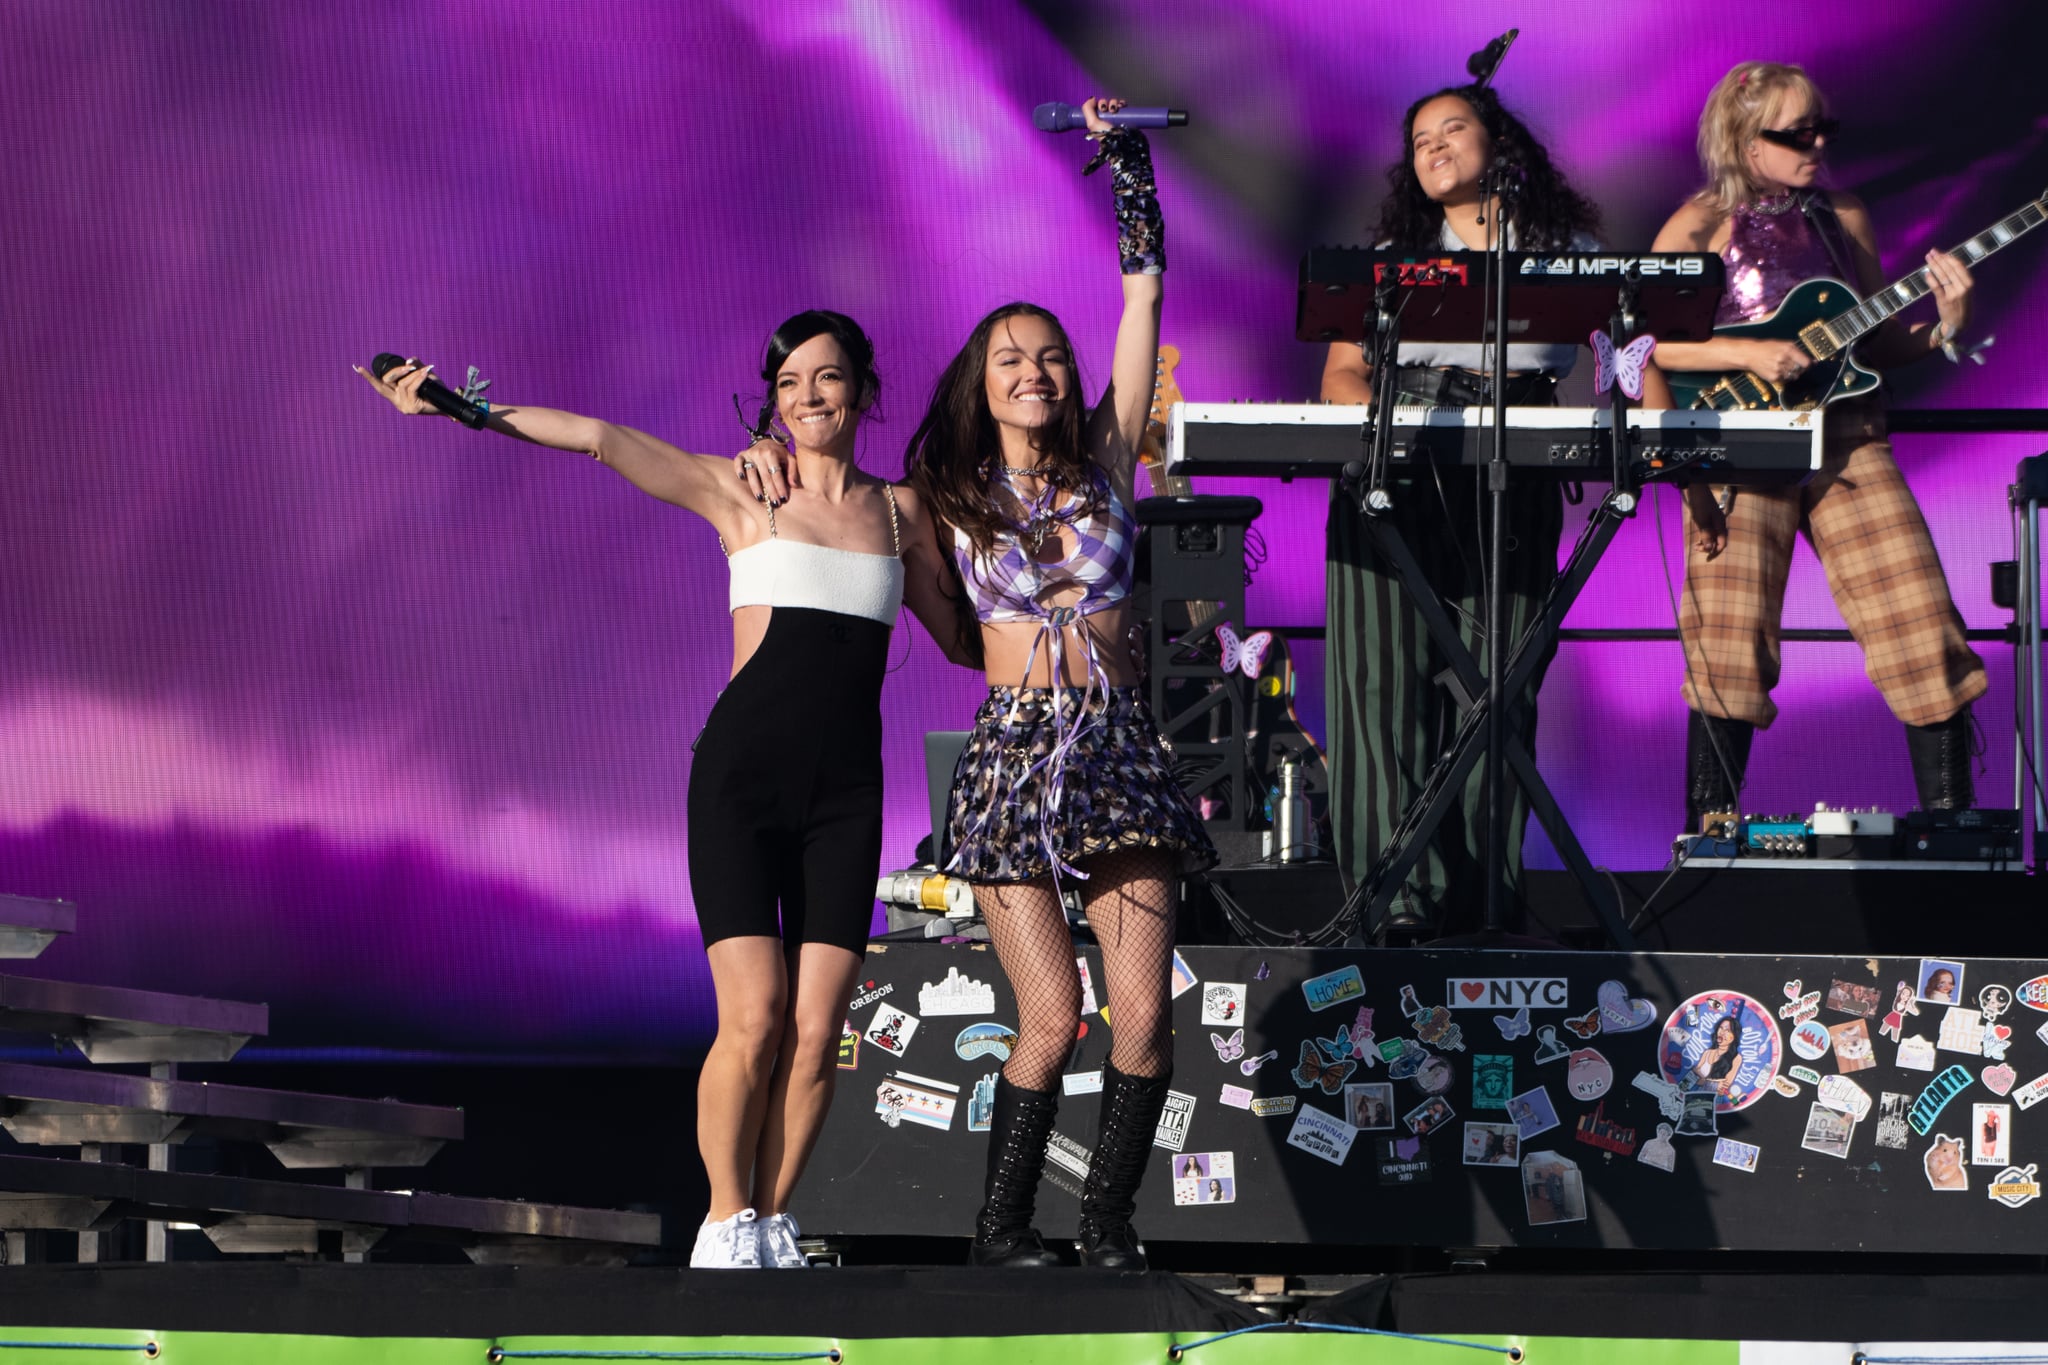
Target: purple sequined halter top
(1772, 247)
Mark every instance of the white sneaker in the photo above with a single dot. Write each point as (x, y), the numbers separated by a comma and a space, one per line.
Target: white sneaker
(778, 1243)
(730, 1244)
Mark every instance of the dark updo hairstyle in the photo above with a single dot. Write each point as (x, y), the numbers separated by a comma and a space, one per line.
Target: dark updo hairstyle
(1544, 213)
(815, 322)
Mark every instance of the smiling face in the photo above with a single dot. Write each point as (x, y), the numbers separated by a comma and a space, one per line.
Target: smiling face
(1942, 983)
(1027, 374)
(815, 392)
(1449, 149)
(1776, 169)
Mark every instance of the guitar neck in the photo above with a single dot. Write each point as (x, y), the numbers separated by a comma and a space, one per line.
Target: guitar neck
(1165, 485)
(1867, 316)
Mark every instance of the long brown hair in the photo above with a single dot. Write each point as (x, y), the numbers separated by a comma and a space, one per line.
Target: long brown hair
(953, 455)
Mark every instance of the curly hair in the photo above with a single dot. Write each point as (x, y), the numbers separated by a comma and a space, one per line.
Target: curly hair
(952, 457)
(1750, 96)
(1544, 214)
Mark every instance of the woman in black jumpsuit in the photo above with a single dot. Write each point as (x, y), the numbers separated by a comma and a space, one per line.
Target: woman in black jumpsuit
(785, 789)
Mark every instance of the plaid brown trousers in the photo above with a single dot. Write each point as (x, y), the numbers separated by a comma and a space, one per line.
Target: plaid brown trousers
(1882, 569)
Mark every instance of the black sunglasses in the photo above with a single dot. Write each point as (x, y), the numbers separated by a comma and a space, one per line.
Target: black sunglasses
(1801, 137)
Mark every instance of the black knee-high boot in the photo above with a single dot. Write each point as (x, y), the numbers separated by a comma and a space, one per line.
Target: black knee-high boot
(1019, 1124)
(1130, 1119)
(1941, 763)
(1716, 759)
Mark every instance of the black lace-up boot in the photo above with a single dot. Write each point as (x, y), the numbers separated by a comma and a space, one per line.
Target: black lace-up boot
(1716, 758)
(1019, 1124)
(1941, 763)
(1130, 1119)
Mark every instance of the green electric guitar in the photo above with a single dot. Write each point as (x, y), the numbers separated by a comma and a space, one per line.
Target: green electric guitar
(1826, 318)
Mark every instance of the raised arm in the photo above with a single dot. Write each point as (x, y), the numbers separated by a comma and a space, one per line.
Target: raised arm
(1117, 427)
(703, 484)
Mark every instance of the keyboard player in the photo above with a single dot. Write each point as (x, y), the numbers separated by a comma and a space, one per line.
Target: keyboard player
(1389, 719)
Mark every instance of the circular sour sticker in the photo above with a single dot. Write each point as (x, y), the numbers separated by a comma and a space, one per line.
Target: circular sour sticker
(1721, 1041)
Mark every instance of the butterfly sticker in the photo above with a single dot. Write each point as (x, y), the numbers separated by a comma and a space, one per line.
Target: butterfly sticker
(1624, 366)
(1312, 1071)
(1340, 1047)
(1250, 1065)
(1228, 1049)
(1246, 656)
(1513, 1027)
(1587, 1024)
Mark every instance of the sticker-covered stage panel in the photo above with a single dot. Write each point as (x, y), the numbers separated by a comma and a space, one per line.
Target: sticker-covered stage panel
(1473, 1098)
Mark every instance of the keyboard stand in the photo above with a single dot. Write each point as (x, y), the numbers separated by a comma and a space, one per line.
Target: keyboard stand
(1446, 781)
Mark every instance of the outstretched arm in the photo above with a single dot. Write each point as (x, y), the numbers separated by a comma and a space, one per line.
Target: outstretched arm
(704, 484)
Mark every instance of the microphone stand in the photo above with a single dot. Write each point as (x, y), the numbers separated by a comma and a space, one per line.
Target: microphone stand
(1378, 432)
(1504, 183)
(1621, 328)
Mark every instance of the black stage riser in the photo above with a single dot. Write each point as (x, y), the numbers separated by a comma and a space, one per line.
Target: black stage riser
(871, 1178)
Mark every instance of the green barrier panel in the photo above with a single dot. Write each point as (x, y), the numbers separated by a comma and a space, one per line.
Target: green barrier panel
(1282, 1345)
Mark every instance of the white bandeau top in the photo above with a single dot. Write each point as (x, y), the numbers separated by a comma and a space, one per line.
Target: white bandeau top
(792, 573)
(795, 573)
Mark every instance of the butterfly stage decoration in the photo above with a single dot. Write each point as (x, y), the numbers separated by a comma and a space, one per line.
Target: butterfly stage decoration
(1312, 1070)
(1228, 1049)
(1247, 655)
(1624, 366)
(1513, 1026)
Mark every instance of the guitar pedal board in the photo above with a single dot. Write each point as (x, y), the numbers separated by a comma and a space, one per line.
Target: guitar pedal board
(1845, 835)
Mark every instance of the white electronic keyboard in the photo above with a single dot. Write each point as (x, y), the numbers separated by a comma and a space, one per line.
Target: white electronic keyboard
(1316, 440)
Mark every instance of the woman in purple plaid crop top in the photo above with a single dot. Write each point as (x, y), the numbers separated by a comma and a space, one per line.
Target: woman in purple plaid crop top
(1065, 781)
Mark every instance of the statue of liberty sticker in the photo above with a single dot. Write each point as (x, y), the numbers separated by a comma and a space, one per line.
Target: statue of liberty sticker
(1721, 1041)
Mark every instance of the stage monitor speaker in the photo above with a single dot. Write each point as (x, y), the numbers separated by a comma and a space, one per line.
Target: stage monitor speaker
(1194, 566)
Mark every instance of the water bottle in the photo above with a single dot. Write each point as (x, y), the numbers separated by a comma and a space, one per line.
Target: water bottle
(1294, 830)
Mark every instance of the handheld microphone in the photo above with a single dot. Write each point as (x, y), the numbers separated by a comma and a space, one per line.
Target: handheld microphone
(1482, 64)
(436, 394)
(1065, 118)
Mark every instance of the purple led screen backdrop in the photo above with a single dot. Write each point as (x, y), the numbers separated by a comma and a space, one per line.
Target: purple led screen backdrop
(389, 724)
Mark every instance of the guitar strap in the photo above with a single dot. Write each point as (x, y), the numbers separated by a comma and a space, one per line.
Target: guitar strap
(1827, 225)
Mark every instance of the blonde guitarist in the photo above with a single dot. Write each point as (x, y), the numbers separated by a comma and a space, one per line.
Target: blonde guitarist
(1762, 138)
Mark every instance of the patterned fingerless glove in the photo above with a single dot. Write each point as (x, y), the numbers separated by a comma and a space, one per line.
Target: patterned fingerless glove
(1141, 232)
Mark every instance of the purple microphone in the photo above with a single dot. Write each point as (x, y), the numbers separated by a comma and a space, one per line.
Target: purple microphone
(1066, 118)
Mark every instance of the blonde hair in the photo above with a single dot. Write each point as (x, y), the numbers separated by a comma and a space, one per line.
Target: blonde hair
(1747, 98)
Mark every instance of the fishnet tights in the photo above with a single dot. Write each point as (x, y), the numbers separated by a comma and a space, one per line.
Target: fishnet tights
(1129, 901)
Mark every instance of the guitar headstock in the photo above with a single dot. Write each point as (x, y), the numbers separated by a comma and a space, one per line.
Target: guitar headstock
(1165, 393)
